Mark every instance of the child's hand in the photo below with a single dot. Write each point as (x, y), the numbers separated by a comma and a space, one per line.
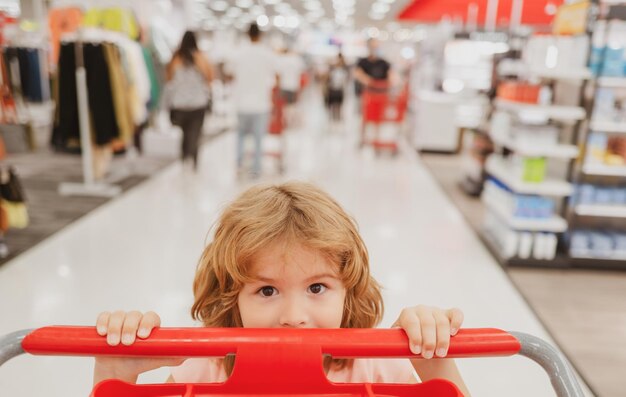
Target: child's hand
(125, 327)
(429, 329)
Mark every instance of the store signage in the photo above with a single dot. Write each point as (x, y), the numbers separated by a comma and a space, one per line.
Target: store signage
(571, 19)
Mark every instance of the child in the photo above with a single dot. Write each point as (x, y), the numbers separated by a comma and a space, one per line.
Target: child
(288, 256)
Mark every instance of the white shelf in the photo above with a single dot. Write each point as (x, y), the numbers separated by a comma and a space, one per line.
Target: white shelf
(613, 257)
(557, 74)
(555, 224)
(608, 211)
(612, 82)
(556, 112)
(608, 126)
(555, 151)
(520, 68)
(498, 170)
(604, 170)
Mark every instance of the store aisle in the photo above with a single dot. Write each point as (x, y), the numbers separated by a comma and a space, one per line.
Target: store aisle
(140, 252)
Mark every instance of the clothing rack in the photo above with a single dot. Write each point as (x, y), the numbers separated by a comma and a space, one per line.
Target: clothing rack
(89, 186)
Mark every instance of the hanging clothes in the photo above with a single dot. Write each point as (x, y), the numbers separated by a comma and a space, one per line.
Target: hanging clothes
(117, 19)
(100, 94)
(62, 21)
(30, 74)
(66, 125)
(155, 89)
(119, 86)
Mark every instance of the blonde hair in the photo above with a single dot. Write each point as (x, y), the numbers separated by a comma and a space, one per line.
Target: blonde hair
(293, 211)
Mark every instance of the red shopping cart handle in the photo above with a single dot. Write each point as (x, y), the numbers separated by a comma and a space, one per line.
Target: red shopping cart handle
(285, 361)
(218, 342)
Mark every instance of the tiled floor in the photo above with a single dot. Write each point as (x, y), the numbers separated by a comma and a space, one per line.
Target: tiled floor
(140, 252)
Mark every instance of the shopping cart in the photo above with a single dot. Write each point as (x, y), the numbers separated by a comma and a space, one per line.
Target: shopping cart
(276, 128)
(284, 361)
(383, 104)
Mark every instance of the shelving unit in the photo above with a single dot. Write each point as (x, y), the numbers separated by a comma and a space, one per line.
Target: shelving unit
(600, 217)
(600, 210)
(612, 82)
(556, 188)
(555, 224)
(604, 170)
(555, 112)
(560, 151)
(608, 127)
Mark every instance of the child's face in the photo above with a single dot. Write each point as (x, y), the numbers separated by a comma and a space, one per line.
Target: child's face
(294, 286)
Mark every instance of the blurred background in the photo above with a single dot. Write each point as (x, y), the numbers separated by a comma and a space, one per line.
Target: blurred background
(479, 144)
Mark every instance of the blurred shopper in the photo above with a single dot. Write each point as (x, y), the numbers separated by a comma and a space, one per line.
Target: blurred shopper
(254, 72)
(336, 82)
(291, 66)
(189, 76)
(373, 70)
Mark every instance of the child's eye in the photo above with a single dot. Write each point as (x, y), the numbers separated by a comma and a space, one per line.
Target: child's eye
(317, 288)
(267, 291)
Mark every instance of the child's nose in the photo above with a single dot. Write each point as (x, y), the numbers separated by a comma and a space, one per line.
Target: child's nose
(293, 314)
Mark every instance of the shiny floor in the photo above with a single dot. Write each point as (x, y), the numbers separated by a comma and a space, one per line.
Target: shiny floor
(140, 251)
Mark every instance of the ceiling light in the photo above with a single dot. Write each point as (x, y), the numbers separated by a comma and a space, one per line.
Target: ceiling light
(262, 20)
(312, 6)
(376, 17)
(293, 22)
(373, 32)
(279, 21)
(380, 8)
(257, 10)
(244, 3)
(219, 5)
(282, 8)
(234, 12)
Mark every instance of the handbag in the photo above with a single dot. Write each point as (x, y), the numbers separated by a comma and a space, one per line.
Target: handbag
(16, 214)
(10, 186)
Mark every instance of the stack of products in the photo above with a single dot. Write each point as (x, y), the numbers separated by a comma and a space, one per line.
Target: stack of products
(518, 91)
(523, 245)
(609, 105)
(519, 205)
(597, 244)
(527, 169)
(588, 194)
(608, 55)
(605, 150)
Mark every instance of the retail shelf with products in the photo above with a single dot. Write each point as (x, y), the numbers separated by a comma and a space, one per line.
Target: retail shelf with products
(608, 126)
(555, 224)
(604, 170)
(612, 82)
(598, 210)
(560, 261)
(554, 151)
(556, 112)
(518, 67)
(559, 188)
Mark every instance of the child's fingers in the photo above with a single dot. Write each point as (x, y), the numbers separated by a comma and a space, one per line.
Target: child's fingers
(129, 329)
(102, 323)
(410, 323)
(149, 321)
(114, 331)
(443, 333)
(456, 320)
(429, 332)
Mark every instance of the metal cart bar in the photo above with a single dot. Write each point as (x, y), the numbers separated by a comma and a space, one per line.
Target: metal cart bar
(339, 343)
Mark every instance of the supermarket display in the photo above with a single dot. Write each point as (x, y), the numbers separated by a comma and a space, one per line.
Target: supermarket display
(596, 210)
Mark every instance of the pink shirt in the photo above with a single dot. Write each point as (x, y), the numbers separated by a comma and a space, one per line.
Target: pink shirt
(210, 370)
